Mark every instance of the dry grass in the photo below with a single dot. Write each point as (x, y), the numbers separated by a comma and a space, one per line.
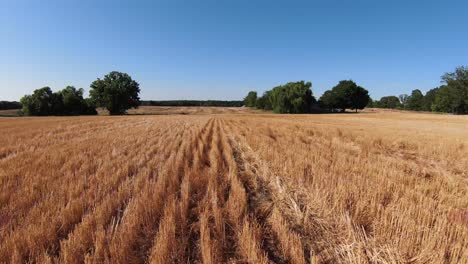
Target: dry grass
(185, 110)
(9, 113)
(383, 187)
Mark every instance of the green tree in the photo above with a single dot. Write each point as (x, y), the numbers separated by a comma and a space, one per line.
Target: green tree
(358, 97)
(293, 97)
(415, 101)
(403, 100)
(374, 103)
(251, 99)
(263, 102)
(345, 95)
(429, 99)
(117, 92)
(329, 100)
(443, 101)
(456, 91)
(68, 101)
(74, 103)
(391, 102)
(40, 103)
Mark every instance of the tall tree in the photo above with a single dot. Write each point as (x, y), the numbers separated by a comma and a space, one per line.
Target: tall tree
(345, 95)
(117, 92)
(329, 100)
(358, 97)
(443, 101)
(415, 100)
(263, 102)
(251, 99)
(429, 99)
(293, 97)
(40, 103)
(403, 99)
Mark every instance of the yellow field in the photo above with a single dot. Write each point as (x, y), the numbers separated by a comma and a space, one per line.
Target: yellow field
(232, 186)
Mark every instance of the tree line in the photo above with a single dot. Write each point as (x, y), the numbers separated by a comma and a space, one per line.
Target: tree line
(297, 97)
(7, 105)
(450, 97)
(217, 103)
(117, 92)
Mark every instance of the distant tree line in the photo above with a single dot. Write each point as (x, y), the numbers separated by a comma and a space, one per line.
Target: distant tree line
(451, 97)
(217, 103)
(7, 105)
(297, 97)
(116, 92)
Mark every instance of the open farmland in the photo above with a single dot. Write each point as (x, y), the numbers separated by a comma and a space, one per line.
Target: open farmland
(235, 187)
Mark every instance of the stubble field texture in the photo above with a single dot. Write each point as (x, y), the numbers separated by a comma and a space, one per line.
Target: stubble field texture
(234, 186)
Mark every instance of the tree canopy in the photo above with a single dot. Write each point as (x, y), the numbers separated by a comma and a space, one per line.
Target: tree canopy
(293, 97)
(391, 102)
(451, 97)
(251, 99)
(455, 91)
(415, 100)
(68, 101)
(345, 95)
(117, 92)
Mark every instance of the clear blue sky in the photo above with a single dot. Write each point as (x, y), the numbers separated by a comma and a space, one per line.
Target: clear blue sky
(219, 49)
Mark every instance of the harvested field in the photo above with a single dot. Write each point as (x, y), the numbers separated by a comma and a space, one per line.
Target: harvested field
(235, 187)
(187, 110)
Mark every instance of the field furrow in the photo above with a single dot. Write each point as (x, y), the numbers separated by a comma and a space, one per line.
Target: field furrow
(233, 188)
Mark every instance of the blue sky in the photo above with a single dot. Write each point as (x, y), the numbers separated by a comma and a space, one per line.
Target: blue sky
(219, 49)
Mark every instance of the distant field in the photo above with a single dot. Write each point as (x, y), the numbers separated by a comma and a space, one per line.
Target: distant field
(9, 113)
(223, 185)
(166, 110)
(189, 110)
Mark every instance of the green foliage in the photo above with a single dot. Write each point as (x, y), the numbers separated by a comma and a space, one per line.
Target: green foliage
(293, 97)
(346, 95)
(429, 99)
(443, 100)
(403, 100)
(193, 103)
(251, 99)
(415, 101)
(329, 100)
(74, 103)
(391, 102)
(69, 101)
(40, 103)
(454, 98)
(358, 97)
(117, 92)
(263, 102)
(6, 105)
